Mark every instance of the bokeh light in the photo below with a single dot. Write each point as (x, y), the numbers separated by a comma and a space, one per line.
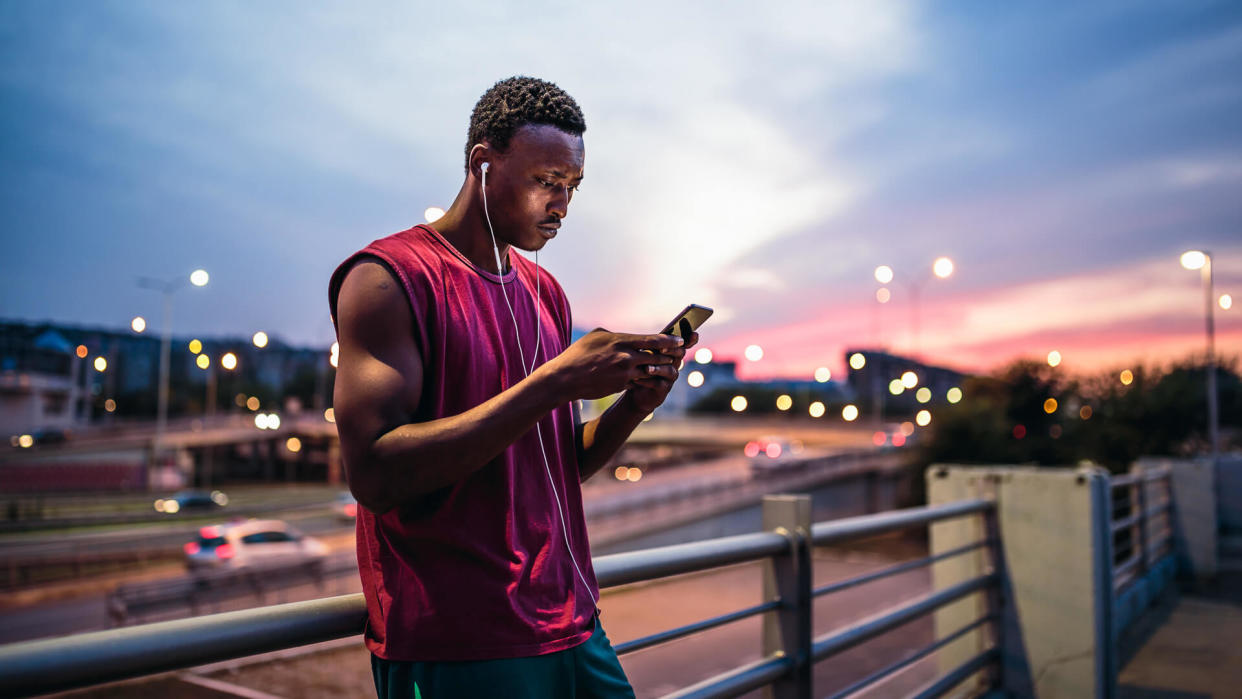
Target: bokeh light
(110, 405)
(138, 324)
(1127, 377)
(906, 428)
(252, 403)
(199, 277)
(203, 361)
(942, 267)
(1050, 406)
(823, 374)
(259, 339)
(1226, 301)
(923, 395)
(293, 444)
(432, 214)
(857, 361)
(195, 346)
(883, 294)
(229, 361)
(849, 413)
(896, 387)
(909, 379)
(703, 355)
(817, 409)
(101, 364)
(1193, 259)
(884, 274)
(329, 415)
(1085, 412)
(784, 402)
(879, 438)
(634, 475)
(954, 395)
(754, 353)
(738, 404)
(81, 351)
(1054, 358)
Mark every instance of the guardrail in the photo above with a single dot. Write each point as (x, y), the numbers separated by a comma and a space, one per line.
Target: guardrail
(93, 658)
(1142, 524)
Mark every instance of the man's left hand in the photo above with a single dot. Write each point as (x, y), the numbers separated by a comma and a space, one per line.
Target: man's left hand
(648, 393)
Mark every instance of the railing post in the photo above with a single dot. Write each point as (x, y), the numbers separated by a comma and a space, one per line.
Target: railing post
(1141, 492)
(788, 577)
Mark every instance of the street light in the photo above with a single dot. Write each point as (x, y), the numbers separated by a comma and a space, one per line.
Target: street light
(167, 288)
(942, 268)
(1202, 261)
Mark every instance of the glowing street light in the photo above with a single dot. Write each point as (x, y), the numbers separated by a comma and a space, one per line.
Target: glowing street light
(896, 387)
(858, 361)
(942, 267)
(817, 409)
(1127, 377)
(738, 404)
(101, 364)
(695, 379)
(909, 379)
(823, 374)
(138, 324)
(1226, 302)
(884, 274)
(703, 355)
(329, 415)
(754, 353)
(199, 277)
(849, 413)
(1050, 406)
(923, 395)
(203, 361)
(1202, 260)
(259, 339)
(229, 361)
(195, 346)
(923, 418)
(954, 395)
(432, 214)
(1054, 358)
(784, 402)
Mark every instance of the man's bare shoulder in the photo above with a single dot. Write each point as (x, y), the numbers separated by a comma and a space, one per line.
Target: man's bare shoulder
(371, 299)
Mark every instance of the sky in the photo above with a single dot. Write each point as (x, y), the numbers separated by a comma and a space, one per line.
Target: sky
(759, 160)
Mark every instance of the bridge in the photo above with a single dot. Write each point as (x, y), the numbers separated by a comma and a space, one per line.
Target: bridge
(1037, 576)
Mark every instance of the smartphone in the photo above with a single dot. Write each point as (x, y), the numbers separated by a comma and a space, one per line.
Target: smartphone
(686, 322)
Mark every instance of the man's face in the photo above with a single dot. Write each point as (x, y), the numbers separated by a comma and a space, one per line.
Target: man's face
(529, 187)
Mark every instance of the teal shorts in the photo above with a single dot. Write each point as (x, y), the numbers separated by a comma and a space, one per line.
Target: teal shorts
(589, 670)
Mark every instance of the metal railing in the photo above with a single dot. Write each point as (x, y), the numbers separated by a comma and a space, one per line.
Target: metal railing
(1142, 523)
(94, 658)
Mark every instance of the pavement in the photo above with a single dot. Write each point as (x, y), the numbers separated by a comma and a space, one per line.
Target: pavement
(1190, 646)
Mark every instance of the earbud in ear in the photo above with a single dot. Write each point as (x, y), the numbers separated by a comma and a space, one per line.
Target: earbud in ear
(483, 166)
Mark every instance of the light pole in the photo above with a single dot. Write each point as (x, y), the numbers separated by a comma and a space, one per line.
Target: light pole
(1202, 261)
(942, 268)
(198, 278)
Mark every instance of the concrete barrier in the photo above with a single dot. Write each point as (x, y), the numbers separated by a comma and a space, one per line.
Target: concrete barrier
(1194, 515)
(1055, 560)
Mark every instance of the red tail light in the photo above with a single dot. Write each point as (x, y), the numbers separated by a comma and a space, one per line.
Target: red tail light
(191, 548)
(209, 532)
(351, 509)
(899, 440)
(225, 551)
(773, 450)
(752, 449)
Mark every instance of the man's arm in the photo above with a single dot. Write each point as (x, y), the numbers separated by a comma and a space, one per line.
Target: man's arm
(392, 460)
(599, 439)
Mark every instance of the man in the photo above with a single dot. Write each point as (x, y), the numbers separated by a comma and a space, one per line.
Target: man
(453, 401)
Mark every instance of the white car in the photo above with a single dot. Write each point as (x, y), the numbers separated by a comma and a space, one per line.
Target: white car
(252, 543)
(768, 452)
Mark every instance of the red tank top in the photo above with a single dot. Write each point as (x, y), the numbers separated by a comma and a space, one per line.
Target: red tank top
(478, 569)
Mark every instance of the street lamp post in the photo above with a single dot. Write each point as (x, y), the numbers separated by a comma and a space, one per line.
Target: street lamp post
(167, 289)
(1202, 261)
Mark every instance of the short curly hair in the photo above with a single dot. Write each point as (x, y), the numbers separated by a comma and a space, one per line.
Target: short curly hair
(515, 102)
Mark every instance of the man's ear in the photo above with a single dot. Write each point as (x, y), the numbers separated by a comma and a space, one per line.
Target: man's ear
(479, 154)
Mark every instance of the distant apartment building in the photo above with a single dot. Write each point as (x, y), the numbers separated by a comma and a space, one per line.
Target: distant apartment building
(40, 383)
(871, 379)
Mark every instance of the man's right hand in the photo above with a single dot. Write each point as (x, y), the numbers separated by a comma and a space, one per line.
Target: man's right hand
(603, 363)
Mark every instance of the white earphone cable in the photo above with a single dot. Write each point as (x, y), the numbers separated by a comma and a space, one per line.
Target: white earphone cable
(534, 358)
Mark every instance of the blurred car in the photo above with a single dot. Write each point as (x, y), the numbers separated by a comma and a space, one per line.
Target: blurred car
(191, 500)
(254, 542)
(768, 452)
(345, 506)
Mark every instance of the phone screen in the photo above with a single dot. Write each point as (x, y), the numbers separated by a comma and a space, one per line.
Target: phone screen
(686, 322)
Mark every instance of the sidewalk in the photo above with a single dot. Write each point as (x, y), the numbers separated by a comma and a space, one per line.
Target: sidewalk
(1194, 651)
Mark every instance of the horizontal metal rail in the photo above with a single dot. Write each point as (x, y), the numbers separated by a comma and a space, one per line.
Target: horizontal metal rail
(913, 657)
(738, 681)
(897, 569)
(649, 564)
(870, 525)
(93, 658)
(38, 667)
(866, 629)
(1123, 481)
(681, 631)
(1126, 523)
(1157, 474)
(957, 675)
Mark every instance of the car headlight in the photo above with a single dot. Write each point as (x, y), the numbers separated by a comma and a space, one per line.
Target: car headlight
(172, 507)
(159, 505)
(219, 498)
